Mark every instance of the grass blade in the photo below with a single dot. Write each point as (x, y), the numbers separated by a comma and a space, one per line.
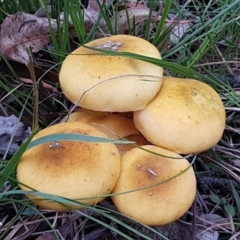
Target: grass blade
(12, 163)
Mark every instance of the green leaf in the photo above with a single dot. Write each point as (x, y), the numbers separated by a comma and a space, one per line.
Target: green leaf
(230, 209)
(223, 201)
(11, 165)
(236, 197)
(214, 198)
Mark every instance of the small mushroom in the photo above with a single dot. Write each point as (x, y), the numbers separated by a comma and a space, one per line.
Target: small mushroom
(100, 82)
(160, 204)
(113, 125)
(139, 140)
(77, 170)
(186, 116)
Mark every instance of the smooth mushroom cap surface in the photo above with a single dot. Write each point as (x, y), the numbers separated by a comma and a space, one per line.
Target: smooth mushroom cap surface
(70, 169)
(113, 125)
(186, 116)
(100, 82)
(160, 204)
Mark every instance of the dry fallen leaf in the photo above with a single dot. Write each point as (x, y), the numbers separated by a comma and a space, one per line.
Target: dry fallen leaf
(45, 85)
(208, 235)
(136, 4)
(209, 226)
(214, 221)
(90, 18)
(126, 16)
(21, 31)
(94, 5)
(180, 27)
(12, 132)
(134, 10)
(90, 14)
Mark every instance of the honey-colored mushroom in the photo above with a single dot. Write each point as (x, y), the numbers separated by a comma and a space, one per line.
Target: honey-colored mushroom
(160, 204)
(186, 116)
(100, 82)
(82, 171)
(113, 125)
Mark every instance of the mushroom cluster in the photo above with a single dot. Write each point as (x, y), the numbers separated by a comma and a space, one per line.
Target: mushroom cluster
(121, 97)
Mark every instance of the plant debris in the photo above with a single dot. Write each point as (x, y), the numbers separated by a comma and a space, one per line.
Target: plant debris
(23, 32)
(12, 134)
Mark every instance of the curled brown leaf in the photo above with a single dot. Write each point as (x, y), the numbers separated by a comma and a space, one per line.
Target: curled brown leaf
(22, 31)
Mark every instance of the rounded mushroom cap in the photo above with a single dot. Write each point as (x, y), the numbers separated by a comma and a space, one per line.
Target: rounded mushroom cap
(113, 125)
(163, 203)
(99, 82)
(70, 169)
(186, 116)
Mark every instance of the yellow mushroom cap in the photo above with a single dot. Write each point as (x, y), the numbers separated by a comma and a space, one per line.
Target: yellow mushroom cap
(70, 169)
(163, 203)
(113, 125)
(139, 140)
(186, 116)
(99, 82)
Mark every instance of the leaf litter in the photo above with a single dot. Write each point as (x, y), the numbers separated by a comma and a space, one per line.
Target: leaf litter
(21, 32)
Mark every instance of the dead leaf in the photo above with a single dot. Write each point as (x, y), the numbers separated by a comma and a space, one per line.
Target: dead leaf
(214, 221)
(180, 27)
(45, 85)
(42, 11)
(209, 225)
(12, 132)
(125, 16)
(21, 31)
(94, 5)
(90, 14)
(208, 235)
(176, 230)
(136, 4)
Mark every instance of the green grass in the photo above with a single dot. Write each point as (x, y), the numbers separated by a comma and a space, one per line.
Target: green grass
(210, 48)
